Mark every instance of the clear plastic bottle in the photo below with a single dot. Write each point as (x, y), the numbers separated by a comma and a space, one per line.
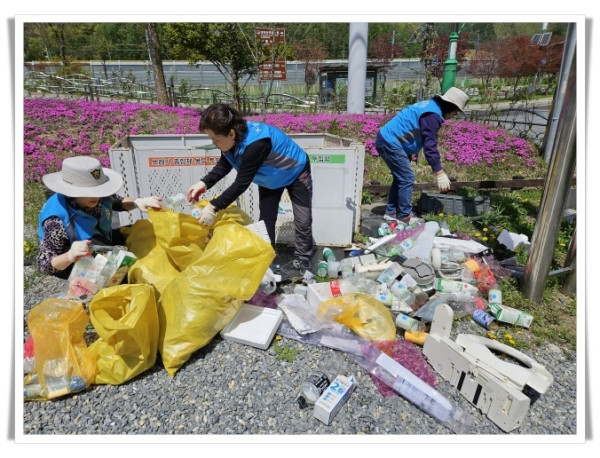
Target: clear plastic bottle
(174, 201)
(347, 267)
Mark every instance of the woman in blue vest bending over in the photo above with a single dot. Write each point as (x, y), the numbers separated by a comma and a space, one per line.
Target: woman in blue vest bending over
(413, 128)
(262, 154)
(80, 212)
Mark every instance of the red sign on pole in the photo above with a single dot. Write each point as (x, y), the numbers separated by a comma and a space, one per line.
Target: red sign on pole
(271, 71)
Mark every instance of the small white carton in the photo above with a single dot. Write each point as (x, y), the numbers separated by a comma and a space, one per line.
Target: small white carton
(333, 398)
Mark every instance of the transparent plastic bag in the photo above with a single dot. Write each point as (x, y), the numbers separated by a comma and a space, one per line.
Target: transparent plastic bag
(63, 362)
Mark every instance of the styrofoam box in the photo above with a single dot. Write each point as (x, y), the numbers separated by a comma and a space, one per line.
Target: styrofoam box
(253, 325)
(318, 292)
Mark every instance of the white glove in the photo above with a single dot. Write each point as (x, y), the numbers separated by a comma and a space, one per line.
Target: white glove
(144, 203)
(442, 181)
(78, 250)
(207, 218)
(195, 191)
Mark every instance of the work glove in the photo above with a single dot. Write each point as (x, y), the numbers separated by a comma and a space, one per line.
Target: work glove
(207, 217)
(78, 250)
(195, 191)
(442, 181)
(144, 203)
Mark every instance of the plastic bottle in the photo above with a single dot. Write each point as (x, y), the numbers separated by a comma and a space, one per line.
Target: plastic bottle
(409, 324)
(173, 201)
(404, 294)
(328, 254)
(389, 275)
(333, 269)
(451, 286)
(384, 229)
(347, 267)
(466, 307)
(495, 296)
(322, 269)
(312, 388)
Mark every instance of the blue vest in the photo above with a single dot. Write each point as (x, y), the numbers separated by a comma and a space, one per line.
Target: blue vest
(404, 127)
(283, 164)
(78, 224)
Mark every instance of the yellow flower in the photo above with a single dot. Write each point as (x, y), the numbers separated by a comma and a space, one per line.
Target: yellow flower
(508, 336)
(484, 239)
(562, 244)
(277, 337)
(477, 234)
(441, 214)
(485, 229)
(491, 335)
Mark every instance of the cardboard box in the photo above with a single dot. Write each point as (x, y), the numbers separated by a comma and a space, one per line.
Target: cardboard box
(333, 398)
(253, 325)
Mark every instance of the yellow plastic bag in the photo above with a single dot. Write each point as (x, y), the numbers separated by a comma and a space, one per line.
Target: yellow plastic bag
(63, 362)
(204, 297)
(170, 242)
(364, 314)
(126, 320)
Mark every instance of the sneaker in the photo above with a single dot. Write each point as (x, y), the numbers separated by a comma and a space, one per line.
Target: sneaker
(301, 264)
(390, 217)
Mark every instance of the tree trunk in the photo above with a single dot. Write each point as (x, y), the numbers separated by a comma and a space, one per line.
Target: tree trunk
(162, 96)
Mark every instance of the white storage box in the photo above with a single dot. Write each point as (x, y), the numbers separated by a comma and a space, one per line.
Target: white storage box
(165, 165)
(333, 398)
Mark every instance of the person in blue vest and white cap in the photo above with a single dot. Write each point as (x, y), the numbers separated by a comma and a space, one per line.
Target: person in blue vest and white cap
(414, 128)
(80, 213)
(261, 154)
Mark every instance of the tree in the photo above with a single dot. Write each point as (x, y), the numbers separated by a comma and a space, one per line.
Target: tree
(381, 51)
(310, 52)
(485, 64)
(222, 44)
(518, 59)
(162, 97)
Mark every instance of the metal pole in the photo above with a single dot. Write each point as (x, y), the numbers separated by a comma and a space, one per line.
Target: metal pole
(566, 62)
(451, 63)
(357, 67)
(556, 188)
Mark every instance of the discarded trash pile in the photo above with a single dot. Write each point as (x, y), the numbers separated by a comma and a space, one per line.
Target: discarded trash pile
(379, 305)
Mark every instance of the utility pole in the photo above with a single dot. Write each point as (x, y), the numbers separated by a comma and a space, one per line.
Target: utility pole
(451, 63)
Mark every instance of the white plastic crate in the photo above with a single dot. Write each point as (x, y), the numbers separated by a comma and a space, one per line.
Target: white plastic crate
(164, 165)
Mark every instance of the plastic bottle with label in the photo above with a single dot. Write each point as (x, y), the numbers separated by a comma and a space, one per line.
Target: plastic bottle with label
(402, 292)
(328, 254)
(322, 269)
(312, 388)
(451, 286)
(409, 324)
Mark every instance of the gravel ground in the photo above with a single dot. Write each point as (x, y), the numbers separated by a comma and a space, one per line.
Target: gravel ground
(233, 389)
(229, 389)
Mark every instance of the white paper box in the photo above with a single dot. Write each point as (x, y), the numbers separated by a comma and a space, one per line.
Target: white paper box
(253, 325)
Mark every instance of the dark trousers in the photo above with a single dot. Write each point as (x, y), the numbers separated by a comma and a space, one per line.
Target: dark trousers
(300, 192)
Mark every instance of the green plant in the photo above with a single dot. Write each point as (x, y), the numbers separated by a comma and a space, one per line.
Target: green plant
(367, 196)
(285, 353)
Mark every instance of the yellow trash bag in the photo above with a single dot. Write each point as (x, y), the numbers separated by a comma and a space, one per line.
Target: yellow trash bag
(126, 320)
(365, 315)
(170, 242)
(63, 362)
(203, 298)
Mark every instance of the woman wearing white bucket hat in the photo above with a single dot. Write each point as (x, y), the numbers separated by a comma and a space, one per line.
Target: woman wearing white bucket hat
(413, 128)
(81, 211)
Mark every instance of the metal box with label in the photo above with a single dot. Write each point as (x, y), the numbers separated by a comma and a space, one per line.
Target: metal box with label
(165, 165)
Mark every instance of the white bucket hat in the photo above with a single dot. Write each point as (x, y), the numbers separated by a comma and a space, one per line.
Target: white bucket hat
(84, 176)
(456, 97)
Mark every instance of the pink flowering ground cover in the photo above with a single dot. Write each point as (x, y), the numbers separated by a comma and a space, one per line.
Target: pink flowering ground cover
(57, 128)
